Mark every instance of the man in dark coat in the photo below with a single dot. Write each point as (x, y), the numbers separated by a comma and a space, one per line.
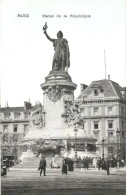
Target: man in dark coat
(64, 167)
(107, 167)
(42, 166)
(70, 165)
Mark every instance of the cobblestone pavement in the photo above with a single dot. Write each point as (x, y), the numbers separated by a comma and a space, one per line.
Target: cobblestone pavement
(80, 181)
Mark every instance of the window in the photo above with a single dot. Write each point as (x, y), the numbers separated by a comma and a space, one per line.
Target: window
(5, 129)
(5, 139)
(15, 128)
(26, 128)
(15, 138)
(110, 124)
(82, 110)
(95, 125)
(95, 110)
(95, 92)
(110, 134)
(123, 124)
(109, 110)
(6, 115)
(80, 147)
(16, 115)
(84, 125)
(123, 134)
(26, 115)
(122, 111)
(110, 149)
(97, 148)
(91, 147)
(96, 134)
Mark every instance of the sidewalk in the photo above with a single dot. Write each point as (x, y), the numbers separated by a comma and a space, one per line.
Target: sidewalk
(59, 170)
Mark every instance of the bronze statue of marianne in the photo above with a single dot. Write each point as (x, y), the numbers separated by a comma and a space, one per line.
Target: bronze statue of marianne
(61, 58)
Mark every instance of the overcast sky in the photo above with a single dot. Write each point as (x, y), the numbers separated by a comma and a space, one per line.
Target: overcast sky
(26, 54)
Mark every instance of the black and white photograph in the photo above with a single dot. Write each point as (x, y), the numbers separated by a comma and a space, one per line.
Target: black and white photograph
(63, 97)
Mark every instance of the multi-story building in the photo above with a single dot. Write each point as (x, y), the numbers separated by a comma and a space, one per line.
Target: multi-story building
(104, 113)
(14, 124)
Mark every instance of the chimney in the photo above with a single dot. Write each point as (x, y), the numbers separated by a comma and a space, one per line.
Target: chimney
(83, 87)
(108, 77)
(123, 91)
(27, 105)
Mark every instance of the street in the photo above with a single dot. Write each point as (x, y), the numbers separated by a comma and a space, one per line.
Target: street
(80, 181)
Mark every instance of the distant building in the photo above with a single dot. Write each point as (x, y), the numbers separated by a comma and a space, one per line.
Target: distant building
(14, 124)
(104, 113)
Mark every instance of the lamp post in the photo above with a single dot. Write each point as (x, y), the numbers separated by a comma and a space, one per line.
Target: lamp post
(44, 118)
(103, 148)
(75, 130)
(118, 142)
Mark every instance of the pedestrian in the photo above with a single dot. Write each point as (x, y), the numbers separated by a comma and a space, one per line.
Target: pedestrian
(94, 162)
(64, 167)
(107, 167)
(42, 166)
(103, 165)
(99, 162)
(7, 164)
(122, 163)
(83, 162)
(86, 163)
(70, 165)
(3, 171)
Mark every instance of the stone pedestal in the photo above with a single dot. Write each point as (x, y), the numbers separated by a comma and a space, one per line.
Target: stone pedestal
(49, 126)
(57, 88)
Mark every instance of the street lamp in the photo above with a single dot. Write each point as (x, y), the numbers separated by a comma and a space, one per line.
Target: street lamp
(103, 148)
(75, 130)
(118, 142)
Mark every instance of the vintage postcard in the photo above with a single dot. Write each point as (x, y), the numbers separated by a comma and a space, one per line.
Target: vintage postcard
(63, 97)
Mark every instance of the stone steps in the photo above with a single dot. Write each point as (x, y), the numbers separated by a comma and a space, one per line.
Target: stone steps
(33, 162)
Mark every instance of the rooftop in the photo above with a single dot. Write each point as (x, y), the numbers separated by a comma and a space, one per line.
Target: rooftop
(108, 89)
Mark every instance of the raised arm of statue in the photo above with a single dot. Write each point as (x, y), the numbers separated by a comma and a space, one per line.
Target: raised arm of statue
(45, 32)
(48, 37)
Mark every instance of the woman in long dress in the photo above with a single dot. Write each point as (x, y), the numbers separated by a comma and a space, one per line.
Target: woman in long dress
(64, 167)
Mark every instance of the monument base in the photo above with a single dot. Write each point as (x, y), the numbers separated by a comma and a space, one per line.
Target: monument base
(59, 143)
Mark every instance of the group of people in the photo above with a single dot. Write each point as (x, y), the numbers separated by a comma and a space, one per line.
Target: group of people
(113, 163)
(100, 163)
(97, 162)
(86, 161)
(103, 164)
(67, 165)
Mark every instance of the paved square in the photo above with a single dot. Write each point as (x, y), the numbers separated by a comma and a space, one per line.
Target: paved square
(80, 181)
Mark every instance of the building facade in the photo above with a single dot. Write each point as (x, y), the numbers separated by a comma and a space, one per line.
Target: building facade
(104, 113)
(14, 124)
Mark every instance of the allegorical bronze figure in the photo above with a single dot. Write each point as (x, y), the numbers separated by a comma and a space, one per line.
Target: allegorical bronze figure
(61, 58)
